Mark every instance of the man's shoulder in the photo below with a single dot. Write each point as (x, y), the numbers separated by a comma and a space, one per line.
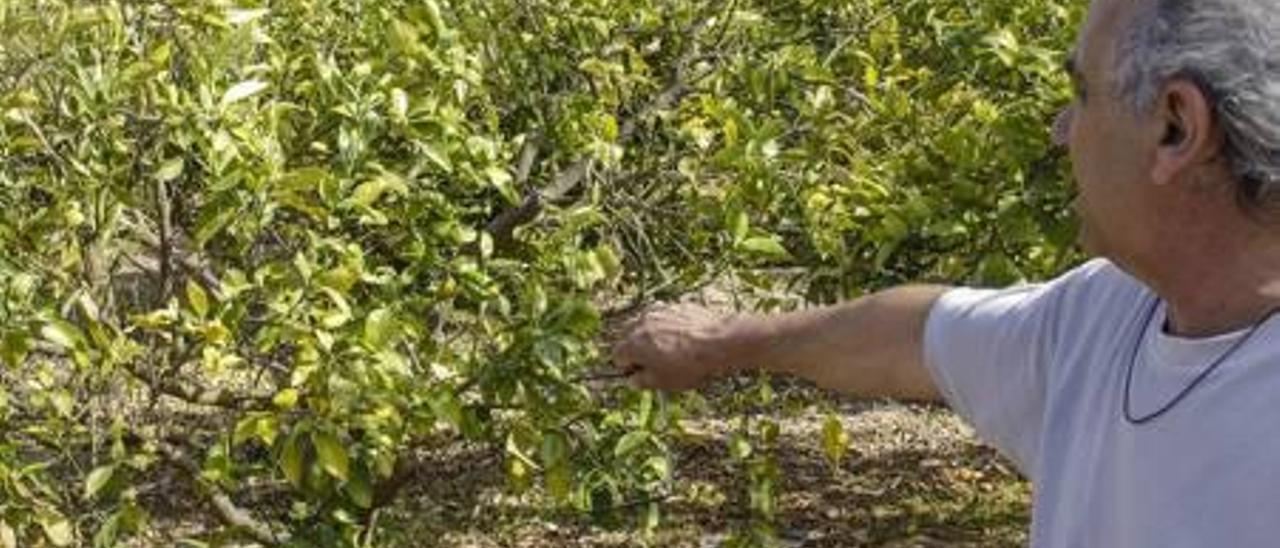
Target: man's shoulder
(1099, 276)
(1093, 295)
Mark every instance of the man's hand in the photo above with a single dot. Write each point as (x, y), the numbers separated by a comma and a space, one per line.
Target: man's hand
(675, 347)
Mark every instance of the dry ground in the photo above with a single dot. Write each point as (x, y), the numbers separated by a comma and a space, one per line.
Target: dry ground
(914, 477)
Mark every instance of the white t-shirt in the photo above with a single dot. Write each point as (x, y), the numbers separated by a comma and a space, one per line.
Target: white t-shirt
(1040, 370)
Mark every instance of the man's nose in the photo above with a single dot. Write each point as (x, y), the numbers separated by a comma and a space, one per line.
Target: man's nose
(1062, 128)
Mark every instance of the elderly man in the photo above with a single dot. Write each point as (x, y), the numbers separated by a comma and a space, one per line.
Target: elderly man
(1139, 392)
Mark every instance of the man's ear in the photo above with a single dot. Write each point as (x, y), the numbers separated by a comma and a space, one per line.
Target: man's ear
(1188, 133)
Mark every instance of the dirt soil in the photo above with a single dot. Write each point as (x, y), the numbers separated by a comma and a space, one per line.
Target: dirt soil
(914, 476)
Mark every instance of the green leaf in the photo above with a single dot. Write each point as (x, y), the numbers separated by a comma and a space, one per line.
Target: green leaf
(245, 429)
(554, 448)
(380, 328)
(263, 426)
(739, 226)
(644, 413)
(630, 442)
(213, 219)
(332, 455)
(445, 405)
(293, 460)
(437, 156)
(739, 447)
(517, 475)
(97, 479)
(56, 528)
(340, 315)
(63, 402)
(835, 441)
(559, 482)
(359, 490)
(285, 399)
(369, 192)
(609, 261)
(197, 299)
(14, 347)
(170, 170)
(501, 179)
(765, 246)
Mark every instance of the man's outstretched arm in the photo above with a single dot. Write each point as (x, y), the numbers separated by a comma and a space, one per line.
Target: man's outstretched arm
(871, 347)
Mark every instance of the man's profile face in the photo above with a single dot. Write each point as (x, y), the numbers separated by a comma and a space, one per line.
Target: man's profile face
(1102, 134)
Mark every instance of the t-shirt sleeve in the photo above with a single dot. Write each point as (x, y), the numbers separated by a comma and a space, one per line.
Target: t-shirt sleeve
(989, 352)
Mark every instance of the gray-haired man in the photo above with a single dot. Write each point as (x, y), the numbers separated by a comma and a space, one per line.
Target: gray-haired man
(1139, 392)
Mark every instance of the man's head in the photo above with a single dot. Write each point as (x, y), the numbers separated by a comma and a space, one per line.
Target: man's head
(1178, 105)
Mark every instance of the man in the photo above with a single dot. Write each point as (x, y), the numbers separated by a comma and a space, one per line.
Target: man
(1140, 392)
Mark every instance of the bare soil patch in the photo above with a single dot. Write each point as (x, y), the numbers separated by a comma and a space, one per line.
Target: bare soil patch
(915, 476)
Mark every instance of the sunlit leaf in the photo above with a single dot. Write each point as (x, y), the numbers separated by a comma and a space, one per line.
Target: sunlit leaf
(835, 441)
(63, 334)
(170, 170)
(242, 91)
(197, 299)
(8, 539)
(768, 247)
(97, 479)
(57, 529)
(630, 442)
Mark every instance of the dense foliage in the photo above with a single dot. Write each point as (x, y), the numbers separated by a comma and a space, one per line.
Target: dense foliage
(277, 248)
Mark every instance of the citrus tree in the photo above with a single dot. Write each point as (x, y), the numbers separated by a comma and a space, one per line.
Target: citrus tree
(278, 249)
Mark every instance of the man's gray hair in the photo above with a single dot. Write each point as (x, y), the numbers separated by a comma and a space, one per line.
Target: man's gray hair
(1231, 49)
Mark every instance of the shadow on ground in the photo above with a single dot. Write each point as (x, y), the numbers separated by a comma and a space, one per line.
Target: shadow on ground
(915, 477)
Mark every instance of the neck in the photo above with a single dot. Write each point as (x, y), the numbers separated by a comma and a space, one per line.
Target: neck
(1217, 281)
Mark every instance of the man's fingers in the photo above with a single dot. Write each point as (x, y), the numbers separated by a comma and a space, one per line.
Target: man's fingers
(643, 379)
(624, 356)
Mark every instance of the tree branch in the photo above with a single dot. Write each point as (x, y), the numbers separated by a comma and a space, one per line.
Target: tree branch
(566, 181)
(194, 264)
(228, 512)
(502, 226)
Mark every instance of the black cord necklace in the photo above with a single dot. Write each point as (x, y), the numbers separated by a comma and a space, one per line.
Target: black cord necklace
(1133, 359)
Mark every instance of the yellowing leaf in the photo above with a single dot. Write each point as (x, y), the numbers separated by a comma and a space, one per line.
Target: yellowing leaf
(399, 104)
(97, 479)
(197, 298)
(369, 192)
(62, 334)
(286, 399)
(242, 16)
(170, 170)
(8, 539)
(332, 455)
(379, 328)
(342, 313)
(57, 529)
(245, 429)
(242, 91)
